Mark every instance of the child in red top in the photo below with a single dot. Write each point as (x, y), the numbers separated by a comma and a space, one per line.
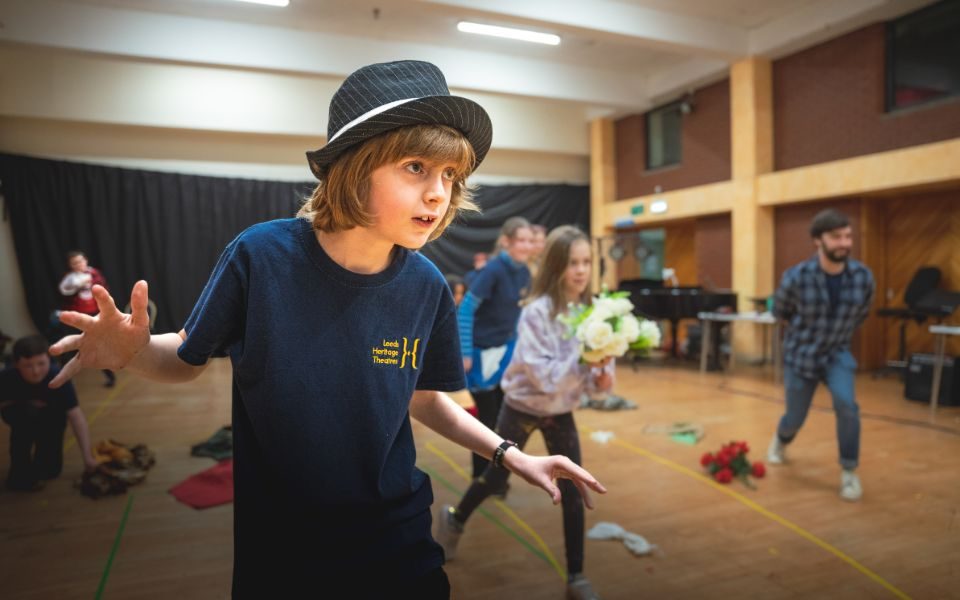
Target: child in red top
(77, 285)
(77, 289)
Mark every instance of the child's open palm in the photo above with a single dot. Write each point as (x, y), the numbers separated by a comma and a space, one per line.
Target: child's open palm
(109, 340)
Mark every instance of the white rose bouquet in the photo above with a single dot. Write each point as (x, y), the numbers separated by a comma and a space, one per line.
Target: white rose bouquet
(608, 327)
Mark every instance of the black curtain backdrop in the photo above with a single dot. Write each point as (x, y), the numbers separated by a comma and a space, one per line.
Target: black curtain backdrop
(170, 228)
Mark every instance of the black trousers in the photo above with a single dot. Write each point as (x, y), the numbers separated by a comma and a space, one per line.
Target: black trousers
(36, 448)
(488, 408)
(560, 434)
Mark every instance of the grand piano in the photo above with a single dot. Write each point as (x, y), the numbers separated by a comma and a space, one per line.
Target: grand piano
(652, 300)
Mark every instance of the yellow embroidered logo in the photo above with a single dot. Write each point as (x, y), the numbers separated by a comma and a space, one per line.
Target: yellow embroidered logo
(391, 352)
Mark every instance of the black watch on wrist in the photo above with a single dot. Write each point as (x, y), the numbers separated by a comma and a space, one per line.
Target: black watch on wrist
(497, 459)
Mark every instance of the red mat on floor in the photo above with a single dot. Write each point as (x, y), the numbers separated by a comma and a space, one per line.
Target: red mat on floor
(212, 487)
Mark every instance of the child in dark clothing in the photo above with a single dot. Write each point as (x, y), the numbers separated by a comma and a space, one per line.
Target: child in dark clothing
(38, 417)
(338, 333)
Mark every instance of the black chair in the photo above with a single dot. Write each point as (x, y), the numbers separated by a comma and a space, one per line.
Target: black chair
(923, 283)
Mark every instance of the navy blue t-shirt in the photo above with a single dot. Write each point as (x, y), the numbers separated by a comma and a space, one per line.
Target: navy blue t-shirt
(833, 290)
(500, 285)
(22, 396)
(325, 363)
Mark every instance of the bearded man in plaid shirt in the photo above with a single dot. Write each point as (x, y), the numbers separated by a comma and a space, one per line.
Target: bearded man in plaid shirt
(823, 300)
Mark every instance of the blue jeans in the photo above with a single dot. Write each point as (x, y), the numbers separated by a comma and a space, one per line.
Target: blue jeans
(839, 377)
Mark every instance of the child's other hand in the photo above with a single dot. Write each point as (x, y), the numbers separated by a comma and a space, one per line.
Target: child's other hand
(467, 364)
(542, 471)
(109, 340)
(603, 381)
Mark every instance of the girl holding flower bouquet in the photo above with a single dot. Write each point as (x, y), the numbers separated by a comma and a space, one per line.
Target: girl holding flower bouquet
(542, 386)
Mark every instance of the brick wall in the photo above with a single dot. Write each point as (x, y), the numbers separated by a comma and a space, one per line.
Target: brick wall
(705, 147)
(829, 104)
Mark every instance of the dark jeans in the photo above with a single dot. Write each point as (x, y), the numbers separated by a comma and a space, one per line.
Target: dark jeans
(488, 408)
(560, 434)
(36, 449)
(839, 377)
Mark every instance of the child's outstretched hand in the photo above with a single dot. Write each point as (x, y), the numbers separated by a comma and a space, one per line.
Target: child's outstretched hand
(541, 471)
(109, 340)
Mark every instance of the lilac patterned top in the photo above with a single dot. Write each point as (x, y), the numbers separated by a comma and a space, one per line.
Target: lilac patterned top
(545, 376)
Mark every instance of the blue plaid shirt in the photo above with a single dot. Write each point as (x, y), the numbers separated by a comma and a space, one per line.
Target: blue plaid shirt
(816, 333)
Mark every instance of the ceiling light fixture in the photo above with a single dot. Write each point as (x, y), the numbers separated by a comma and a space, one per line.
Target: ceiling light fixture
(509, 32)
(280, 3)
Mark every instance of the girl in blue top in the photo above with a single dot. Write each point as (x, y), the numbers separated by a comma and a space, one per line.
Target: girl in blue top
(488, 321)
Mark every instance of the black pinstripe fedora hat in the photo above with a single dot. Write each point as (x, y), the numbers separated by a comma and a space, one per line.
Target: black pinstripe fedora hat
(385, 96)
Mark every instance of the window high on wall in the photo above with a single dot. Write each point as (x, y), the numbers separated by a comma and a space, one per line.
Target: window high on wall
(923, 56)
(663, 126)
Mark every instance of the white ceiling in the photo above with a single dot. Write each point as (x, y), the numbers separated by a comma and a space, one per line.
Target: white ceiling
(615, 57)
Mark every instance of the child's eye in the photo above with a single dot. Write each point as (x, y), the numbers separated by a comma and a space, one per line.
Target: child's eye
(415, 168)
(450, 174)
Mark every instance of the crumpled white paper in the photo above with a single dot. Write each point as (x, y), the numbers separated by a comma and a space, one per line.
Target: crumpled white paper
(601, 437)
(634, 542)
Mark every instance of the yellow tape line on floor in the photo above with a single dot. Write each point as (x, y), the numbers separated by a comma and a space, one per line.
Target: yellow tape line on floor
(759, 509)
(506, 509)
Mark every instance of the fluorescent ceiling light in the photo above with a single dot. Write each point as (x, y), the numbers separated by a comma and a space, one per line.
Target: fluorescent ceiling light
(509, 32)
(281, 3)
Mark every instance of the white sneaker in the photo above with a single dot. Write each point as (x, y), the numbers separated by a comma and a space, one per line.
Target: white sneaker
(777, 452)
(448, 531)
(580, 589)
(850, 488)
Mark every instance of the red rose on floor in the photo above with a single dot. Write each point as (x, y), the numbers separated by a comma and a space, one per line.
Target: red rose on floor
(724, 475)
(731, 462)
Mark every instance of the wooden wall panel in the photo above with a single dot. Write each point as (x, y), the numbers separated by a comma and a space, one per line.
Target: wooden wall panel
(714, 247)
(873, 253)
(680, 251)
(921, 229)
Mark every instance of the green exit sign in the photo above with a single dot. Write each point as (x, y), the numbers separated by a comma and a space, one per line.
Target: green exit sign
(636, 209)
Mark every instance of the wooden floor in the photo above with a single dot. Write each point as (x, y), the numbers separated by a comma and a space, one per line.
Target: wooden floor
(790, 538)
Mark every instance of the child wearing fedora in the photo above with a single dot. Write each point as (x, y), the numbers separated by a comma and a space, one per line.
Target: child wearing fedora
(338, 332)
